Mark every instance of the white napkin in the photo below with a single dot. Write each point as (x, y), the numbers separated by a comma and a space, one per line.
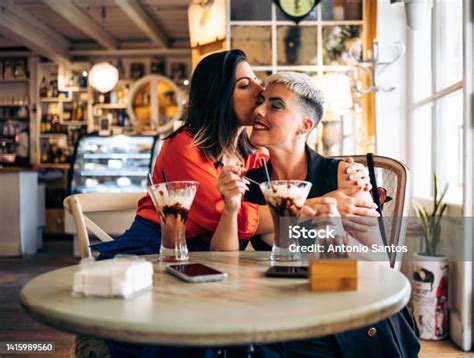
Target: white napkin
(112, 278)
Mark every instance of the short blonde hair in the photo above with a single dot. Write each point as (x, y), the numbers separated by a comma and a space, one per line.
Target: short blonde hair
(310, 96)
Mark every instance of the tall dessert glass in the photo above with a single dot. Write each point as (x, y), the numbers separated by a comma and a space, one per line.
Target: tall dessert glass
(173, 200)
(285, 199)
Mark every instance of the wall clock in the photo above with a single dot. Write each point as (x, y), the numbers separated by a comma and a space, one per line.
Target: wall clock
(296, 10)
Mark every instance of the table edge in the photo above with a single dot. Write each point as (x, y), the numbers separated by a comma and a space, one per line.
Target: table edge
(50, 318)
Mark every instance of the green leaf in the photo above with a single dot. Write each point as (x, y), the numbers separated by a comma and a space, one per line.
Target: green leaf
(440, 201)
(426, 227)
(442, 211)
(436, 238)
(426, 223)
(440, 216)
(436, 231)
(431, 223)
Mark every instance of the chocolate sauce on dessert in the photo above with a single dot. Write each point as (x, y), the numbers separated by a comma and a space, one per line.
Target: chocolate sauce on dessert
(173, 220)
(284, 206)
(176, 210)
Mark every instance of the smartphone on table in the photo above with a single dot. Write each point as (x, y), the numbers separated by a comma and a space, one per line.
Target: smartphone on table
(195, 272)
(287, 272)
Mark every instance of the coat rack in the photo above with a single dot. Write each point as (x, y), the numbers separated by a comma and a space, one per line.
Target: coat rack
(374, 66)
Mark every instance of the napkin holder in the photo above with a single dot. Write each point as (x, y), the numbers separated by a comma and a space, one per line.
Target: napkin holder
(327, 275)
(119, 277)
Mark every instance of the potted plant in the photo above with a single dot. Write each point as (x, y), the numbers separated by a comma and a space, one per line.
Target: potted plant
(430, 273)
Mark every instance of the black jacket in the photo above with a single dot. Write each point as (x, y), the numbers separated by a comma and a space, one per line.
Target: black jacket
(393, 337)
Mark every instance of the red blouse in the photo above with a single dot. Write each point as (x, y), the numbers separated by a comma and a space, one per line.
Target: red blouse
(183, 160)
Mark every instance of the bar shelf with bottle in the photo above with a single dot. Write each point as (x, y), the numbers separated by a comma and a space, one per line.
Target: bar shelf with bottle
(64, 114)
(109, 110)
(14, 112)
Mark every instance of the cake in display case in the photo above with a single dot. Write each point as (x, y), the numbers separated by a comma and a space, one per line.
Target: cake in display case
(112, 164)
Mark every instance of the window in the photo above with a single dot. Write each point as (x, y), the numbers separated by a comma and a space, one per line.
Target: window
(273, 43)
(436, 102)
(317, 46)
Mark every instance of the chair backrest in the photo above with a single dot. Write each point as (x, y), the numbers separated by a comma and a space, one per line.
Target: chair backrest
(79, 204)
(393, 176)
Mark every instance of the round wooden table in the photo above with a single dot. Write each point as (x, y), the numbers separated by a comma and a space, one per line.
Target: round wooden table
(245, 308)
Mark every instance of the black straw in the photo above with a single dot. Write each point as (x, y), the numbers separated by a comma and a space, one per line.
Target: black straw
(150, 178)
(165, 177)
(376, 197)
(267, 174)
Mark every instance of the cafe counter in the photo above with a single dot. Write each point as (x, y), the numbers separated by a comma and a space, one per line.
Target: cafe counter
(21, 211)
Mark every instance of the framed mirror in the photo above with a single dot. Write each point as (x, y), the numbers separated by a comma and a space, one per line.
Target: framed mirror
(155, 102)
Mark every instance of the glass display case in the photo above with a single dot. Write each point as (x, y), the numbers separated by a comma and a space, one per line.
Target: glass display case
(112, 164)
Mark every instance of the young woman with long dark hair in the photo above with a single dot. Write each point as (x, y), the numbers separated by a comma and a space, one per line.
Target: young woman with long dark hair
(222, 98)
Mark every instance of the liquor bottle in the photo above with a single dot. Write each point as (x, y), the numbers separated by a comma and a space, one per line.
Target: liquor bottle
(55, 89)
(84, 112)
(49, 91)
(43, 88)
(44, 156)
(70, 136)
(63, 156)
(56, 124)
(8, 70)
(50, 154)
(80, 113)
(67, 115)
(120, 95)
(113, 97)
(74, 113)
(42, 125)
(121, 118)
(48, 125)
(20, 69)
(83, 80)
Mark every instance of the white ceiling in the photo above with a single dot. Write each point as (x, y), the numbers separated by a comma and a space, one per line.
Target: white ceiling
(168, 16)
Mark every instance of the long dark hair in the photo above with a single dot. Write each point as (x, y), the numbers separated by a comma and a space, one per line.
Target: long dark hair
(211, 118)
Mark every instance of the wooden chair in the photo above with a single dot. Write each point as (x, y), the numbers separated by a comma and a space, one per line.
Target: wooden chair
(393, 176)
(79, 204)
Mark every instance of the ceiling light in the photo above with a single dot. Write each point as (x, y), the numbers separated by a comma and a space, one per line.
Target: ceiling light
(103, 77)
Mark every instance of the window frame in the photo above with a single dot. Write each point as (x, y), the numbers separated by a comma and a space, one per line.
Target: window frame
(434, 101)
(318, 69)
